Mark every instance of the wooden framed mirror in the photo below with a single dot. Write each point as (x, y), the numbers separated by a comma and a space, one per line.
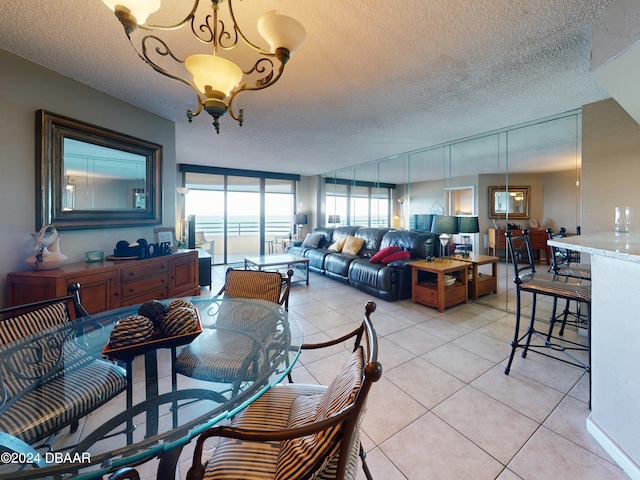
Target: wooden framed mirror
(512, 202)
(92, 177)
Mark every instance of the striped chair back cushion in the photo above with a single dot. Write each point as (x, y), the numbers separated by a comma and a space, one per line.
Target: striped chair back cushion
(22, 325)
(306, 457)
(43, 410)
(253, 284)
(50, 353)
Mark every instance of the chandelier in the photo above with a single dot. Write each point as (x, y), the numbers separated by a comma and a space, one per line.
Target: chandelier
(215, 79)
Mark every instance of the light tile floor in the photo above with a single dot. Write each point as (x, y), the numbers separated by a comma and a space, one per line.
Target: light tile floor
(444, 409)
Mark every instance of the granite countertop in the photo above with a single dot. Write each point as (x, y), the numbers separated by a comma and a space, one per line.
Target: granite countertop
(607, 244)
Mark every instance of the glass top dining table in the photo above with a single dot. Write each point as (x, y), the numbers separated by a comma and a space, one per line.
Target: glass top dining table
(165, 407)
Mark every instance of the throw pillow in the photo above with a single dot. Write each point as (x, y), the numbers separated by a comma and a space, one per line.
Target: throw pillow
(312, 240)
(401, 255)
(338, 245)
(382, 253)
(353, 245)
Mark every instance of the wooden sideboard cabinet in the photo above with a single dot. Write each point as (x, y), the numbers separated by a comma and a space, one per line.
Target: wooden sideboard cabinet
(110, 284)
(497, 242)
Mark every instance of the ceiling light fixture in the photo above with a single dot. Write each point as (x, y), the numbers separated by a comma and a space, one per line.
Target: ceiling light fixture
(216, 80)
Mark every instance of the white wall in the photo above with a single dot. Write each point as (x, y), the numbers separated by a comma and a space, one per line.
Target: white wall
(26, 88)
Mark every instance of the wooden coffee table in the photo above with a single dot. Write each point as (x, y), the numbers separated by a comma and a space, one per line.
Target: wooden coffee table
(435, 293)
(481, 283)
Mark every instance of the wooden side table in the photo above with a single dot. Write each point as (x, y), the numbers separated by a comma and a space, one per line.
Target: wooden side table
(437, 293)
(481, 284)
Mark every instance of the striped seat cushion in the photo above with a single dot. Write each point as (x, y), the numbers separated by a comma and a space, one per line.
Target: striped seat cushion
(233, 350)
(234, 459)
(556, 285)
(46, 408)
(290, 406)
(45, 355)
(253, 284)
(47, 378)
(574, 270)
(305, 457)
(257, 461)
(330, 471)
(221, 356)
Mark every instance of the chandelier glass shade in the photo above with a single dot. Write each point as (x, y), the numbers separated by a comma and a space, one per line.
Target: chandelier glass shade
(215, 80)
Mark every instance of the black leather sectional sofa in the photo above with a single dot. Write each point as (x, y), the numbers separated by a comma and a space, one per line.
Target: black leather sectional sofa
(390, 281)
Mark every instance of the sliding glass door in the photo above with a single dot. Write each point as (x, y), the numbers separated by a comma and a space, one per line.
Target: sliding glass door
(278, 213)
(239, 215)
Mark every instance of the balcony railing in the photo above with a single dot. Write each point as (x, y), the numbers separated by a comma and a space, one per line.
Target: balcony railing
(216, 228)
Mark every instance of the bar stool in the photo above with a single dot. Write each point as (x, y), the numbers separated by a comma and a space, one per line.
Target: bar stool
(550, 284)
(561, 264)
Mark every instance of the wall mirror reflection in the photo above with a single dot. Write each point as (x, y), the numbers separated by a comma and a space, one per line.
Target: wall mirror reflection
(93, 177)
(543, 155)
(512, 202)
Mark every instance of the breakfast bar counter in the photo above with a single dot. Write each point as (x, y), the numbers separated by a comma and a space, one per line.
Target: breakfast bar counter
(615, 342)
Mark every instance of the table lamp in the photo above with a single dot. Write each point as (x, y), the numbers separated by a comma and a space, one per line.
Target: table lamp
(444, 225)
(301, 219)
(333, 220)
(467, 225)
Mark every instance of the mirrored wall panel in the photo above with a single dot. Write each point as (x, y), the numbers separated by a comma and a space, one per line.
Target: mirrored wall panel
(522, 177)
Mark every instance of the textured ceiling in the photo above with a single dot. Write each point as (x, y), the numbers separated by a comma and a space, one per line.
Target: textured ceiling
(373, 79)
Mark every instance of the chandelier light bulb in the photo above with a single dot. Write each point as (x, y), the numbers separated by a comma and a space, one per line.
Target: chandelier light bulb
(214, 76)
(281, 31)
(215, 80)
(138, 9)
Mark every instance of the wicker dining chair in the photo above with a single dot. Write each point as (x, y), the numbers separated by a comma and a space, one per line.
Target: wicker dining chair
(296, 431)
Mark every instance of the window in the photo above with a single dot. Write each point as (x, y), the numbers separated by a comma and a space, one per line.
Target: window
(243, 212)
(358, 203)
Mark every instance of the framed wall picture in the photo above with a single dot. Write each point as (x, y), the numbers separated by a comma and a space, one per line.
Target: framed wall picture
(437, 209)
(512, 202)
(166, 235)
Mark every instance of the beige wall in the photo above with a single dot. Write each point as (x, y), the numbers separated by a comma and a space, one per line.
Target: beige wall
(611, 176)
(561, 203)
(553, 198)
(25, 88)
(610, 165)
